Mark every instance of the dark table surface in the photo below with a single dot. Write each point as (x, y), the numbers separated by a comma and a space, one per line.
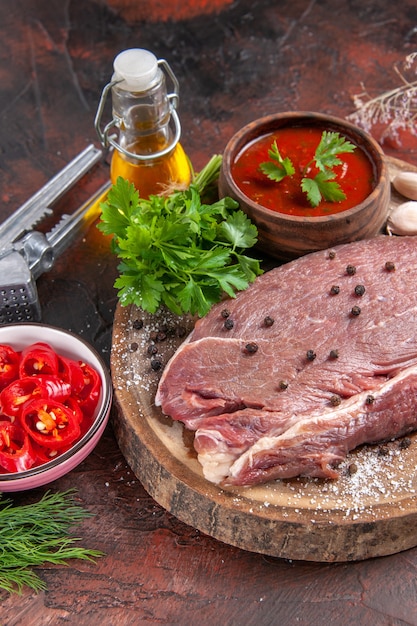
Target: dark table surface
(235, 61)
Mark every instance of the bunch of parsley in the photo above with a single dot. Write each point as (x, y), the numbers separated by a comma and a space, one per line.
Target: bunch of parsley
(176, 250)
(326, 157)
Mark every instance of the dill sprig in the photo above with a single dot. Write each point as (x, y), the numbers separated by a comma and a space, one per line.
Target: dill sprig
(35, 534)
(394, 109)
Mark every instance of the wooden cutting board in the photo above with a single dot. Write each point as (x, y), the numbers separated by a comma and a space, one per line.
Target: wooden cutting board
(370, 511)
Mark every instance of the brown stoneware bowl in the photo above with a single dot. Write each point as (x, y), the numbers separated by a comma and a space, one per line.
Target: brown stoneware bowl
(289, 236)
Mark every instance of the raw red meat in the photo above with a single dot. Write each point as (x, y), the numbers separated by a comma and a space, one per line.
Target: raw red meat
(317, 357)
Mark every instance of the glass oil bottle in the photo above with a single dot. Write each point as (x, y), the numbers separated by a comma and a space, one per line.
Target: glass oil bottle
(147, 149)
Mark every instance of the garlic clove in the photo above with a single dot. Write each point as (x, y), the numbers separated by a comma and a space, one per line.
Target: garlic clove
(403, 219)
(406, 184)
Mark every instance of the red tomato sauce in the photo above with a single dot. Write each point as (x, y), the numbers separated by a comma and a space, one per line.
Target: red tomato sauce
(355, 175)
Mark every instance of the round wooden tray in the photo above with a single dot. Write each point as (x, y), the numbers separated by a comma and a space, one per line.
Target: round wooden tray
(371, 510)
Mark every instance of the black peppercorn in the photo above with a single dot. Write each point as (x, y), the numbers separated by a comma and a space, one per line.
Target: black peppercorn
(332, 254)
(311, 355)
(156, 364)
(404, 443)
(352, 469)
(359, 290)
(334, 354)
(335, 400)
(283, 385)
(137, 324)
(152, 349)
(251, 347)
(383, 450)
(334, 290)
(351, 270)
(356, 310)
(228, 324)
(370, 399)
(268, 321)
(225, 313)
(390, 266)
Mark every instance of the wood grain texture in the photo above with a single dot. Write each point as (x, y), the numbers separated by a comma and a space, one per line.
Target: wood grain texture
(368, 514)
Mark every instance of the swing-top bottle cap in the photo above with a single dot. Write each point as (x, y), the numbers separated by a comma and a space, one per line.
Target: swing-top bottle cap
(137, 68)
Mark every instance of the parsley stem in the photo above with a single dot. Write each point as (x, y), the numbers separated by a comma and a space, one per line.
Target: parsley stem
(208, 174)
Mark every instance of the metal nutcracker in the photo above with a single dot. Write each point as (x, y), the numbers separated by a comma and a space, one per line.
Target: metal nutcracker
(26, 253)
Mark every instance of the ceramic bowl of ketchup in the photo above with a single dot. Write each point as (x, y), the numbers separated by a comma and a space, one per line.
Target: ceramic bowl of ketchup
(55, 401)
(288, 225)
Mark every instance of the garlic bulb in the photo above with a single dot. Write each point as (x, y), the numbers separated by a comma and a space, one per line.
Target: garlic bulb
(406, 184)
(403, 219)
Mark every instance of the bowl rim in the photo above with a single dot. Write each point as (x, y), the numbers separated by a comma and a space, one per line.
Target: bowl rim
(103, 410)
(237, 142)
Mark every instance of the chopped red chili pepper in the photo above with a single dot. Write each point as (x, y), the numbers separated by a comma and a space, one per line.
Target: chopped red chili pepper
(16, 451)
(89, 395)
(14, 396)
(49, 400)
(9, 365)
(38, 358)
(20, 391)
(74, 406)
(43, 455)
(71, 371)
(55, 387)
(50, 423)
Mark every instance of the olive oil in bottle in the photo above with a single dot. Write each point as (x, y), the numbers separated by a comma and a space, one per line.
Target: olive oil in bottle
(147, 149)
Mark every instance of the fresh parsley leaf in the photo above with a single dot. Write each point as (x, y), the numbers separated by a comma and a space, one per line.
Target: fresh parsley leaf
(177, 250)
(238, 230)
(331, 145)
(197, 296)
(138, 288)
(326, 157)
(279, 167)
(322, 186)
(121, 201)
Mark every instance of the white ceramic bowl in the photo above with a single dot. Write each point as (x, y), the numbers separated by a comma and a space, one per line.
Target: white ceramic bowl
(71, 346)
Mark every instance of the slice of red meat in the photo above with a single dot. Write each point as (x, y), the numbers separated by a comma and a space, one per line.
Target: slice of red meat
(317, 442)
(310, 338)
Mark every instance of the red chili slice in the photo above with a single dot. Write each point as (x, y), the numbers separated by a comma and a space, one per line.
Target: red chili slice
(9, 365)
(50, 423)
(16, 452)
(20, 391)
(55, 387)
(72, 372)
(38, 358)
(73, 404)
(14, 396)
(90, 393)
(43, 454)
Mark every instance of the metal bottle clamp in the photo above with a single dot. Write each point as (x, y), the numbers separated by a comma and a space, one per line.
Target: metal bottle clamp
(107, 139)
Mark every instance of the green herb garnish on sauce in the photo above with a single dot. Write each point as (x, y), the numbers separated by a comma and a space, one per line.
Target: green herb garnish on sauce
(318, 176)
(177, 250)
